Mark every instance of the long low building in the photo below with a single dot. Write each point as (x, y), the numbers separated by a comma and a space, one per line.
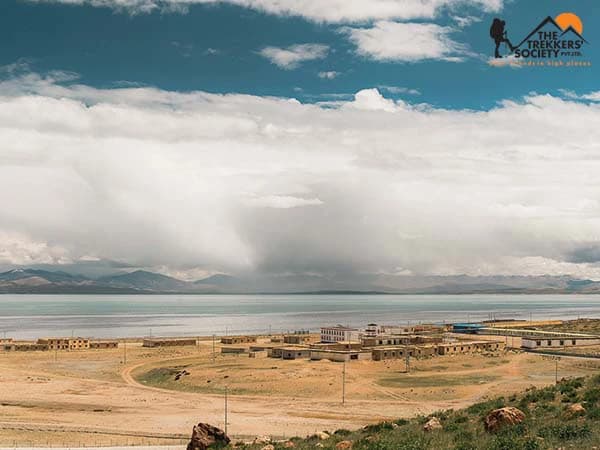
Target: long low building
(340, 355)
(104, 344)
(421, 351)
(24, 347)
(233, 340)
(544, 341)
(458, 347)
(166, 342)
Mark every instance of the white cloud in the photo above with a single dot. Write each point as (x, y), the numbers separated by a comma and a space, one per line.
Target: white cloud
(406, 42)
(334, 11)
(372, 100)
(282, 201)
(507, 61)
(19, 249)
(291, 57)
(224, 183)
(329, 75)
(399, 90)
(591, 96)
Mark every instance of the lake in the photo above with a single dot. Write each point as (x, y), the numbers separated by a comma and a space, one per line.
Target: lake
(104, 316)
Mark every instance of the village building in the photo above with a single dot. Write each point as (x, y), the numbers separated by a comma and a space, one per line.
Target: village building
(72, 343)
(24, 347)
(385, 353)
(340, 355)
(235, 350)
(342, 345)
(544, 341)
(168, 342)
(295, 353)
(459, 347)
(339, 333)
(296, 339)
(233, 340)
(104, 344)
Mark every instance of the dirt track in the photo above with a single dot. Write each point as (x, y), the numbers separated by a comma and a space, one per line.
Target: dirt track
(92, 395)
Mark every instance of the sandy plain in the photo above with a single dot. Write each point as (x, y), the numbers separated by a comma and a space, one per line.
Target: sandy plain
(95, 397)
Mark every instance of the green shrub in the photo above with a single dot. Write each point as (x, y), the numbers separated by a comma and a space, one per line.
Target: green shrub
(592, 395)
(593, 413)
(565, 432)
(486, 407)
(377, 427)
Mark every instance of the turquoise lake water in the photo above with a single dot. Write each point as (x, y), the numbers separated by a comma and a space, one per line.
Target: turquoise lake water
(32, 316)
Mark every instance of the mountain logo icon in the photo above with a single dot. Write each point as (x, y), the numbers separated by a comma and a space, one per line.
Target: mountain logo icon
(553, 38)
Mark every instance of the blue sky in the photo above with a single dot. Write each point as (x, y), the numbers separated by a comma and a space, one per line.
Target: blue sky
(326, 138)
(216, 47)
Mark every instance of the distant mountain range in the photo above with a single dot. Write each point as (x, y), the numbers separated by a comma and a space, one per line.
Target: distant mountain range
(43, 281)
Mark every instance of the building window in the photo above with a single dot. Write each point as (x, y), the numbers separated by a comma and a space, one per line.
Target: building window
(573, 342)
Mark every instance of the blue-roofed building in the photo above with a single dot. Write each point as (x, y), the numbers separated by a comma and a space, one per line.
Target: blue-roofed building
(471, 328)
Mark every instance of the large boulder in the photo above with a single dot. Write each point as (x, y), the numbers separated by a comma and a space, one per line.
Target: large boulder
(574, 410)
(503, 417)
(205, 435)
(432, 424)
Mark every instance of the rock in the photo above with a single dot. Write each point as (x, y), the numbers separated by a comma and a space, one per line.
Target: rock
(268, 447)
(319, 445)
(262, 440)
(432, 424)
(502, 417)
(343, 445)
(322, 435)
(205, 435)
(574, 410)
(289, 444)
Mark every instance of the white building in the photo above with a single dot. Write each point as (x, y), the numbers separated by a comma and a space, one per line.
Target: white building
(339, 333)
(535, 342)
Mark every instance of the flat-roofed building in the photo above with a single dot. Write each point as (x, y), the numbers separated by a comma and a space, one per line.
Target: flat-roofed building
(235, 350)
(340, 355)
(168, 342)
(24, 347)
(545, 341)
(295, 353)
(458, 347)
(72, 343)
(234, 340)
(104, 344)
(339, 333)
(342, 345)
(297, 338)
(385, 353)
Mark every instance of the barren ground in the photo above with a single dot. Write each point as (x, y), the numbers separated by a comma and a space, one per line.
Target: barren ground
(93, 398)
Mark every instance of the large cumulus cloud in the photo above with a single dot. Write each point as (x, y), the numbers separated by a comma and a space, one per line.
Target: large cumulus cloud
(198, 181)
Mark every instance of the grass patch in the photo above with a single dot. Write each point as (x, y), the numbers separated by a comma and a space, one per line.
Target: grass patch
(407, 381)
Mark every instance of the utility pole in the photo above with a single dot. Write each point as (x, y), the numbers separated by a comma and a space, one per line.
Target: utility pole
(213, 349)
(407, 357)
(226, 392)
(124, 351)
(556, 372)
(344, 383)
